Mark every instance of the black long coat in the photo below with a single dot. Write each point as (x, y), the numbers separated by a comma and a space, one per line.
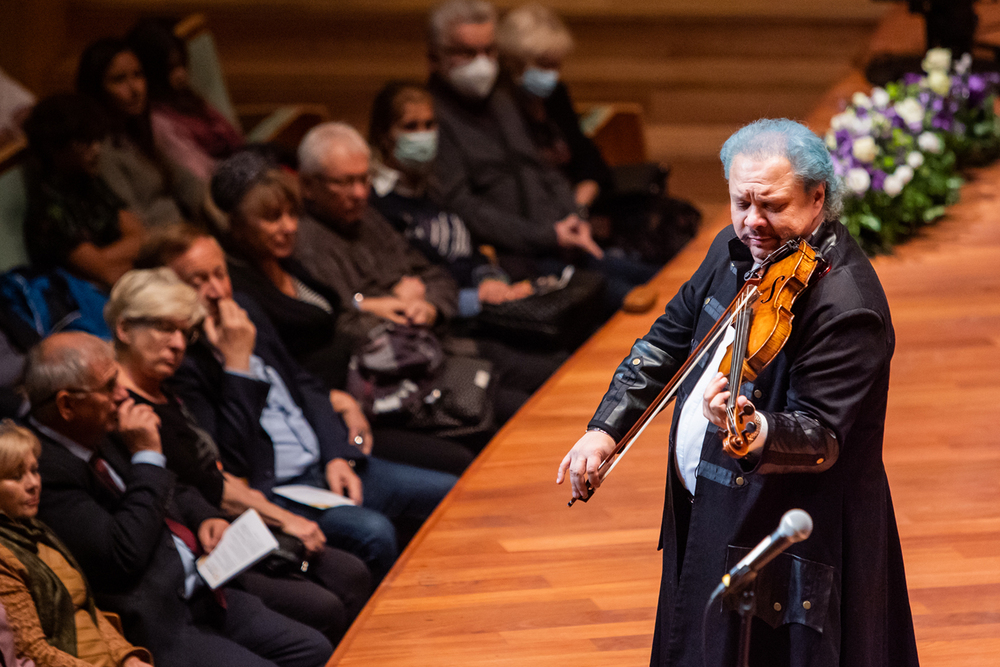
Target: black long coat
(838, 598)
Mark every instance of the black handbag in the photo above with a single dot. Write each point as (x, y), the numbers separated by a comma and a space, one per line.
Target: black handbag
(289, 558)
(555, 317)
(402, 377)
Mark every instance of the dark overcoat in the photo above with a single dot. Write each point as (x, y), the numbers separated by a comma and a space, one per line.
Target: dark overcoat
(839, 597)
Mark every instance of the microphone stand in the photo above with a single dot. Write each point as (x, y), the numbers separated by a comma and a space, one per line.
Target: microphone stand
(746, 606)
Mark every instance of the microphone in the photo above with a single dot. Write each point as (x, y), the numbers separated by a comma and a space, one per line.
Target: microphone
(795, 526)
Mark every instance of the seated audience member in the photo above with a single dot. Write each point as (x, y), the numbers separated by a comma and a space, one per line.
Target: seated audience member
(186, 128)
(402, 133)
(134, 530)
(155, 189)
(532, 43)
(153, 315)
(640, 224)
(74, 219)
(490, 172)
(350, 248)
(262, 203)
(15, 105)
(7, 651)
(275, 423)
(43, 591)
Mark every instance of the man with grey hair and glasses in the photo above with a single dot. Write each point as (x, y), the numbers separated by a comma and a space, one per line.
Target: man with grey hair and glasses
(348, 246)
(134, 530)
(817, 414)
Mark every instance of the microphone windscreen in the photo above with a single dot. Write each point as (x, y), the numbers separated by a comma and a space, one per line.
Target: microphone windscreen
(796, 525)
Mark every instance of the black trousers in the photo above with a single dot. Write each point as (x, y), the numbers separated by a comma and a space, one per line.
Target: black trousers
(244, 634)
(421, 449)
(328, 599)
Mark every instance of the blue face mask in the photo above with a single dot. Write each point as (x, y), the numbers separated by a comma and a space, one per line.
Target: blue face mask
(540, 82)
(416, 150)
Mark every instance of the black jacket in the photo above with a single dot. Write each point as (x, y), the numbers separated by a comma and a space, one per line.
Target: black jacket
(122, 542)
(229, 406)
(489, 172)
(824, 398)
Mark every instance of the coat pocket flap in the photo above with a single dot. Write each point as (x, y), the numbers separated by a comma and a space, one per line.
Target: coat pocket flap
(790, 589)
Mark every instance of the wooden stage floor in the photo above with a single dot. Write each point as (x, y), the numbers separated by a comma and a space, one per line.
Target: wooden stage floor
(505, 574)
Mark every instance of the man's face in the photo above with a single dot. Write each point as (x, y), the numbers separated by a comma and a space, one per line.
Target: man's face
(203, 267)
(769, 205)
(339, 191)
(465, 42)
(93, 408)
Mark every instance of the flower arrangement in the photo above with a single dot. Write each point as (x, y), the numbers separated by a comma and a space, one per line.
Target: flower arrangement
(899, 148)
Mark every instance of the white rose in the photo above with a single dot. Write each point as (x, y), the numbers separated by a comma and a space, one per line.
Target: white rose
(929, 142)
(911, 111)
(892, 185)
(963, 64)
(879, 121)
(880, 98)
(842, 121)
(904, 173)
(937, 60)
(861, 126)
(864, 149)
(915, 159)
(831, 140)
(858, 180)
(859, 99)
(939, 82)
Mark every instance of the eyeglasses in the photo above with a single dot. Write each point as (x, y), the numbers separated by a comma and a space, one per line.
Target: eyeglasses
(363, 180)
(470, 53)
(107, 389)
(167, 328)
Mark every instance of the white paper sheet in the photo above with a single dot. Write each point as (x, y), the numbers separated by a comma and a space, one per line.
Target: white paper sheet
(312, 496)
(245, 542)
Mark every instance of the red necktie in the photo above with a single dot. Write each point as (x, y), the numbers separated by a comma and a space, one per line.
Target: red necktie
(103, 473)
(189, 540)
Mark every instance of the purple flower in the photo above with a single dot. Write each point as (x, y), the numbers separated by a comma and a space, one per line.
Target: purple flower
(911, 78)
(977, 89)
(878, 178)
(942, 123)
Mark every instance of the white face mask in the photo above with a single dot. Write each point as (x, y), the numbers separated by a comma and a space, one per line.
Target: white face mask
(475, 79)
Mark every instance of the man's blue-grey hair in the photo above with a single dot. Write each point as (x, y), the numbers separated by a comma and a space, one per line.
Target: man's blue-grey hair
(811, 161)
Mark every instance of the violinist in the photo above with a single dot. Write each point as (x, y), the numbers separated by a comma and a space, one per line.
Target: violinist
(817, 412)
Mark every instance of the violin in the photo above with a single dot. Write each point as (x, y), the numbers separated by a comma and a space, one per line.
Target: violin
(761, 315)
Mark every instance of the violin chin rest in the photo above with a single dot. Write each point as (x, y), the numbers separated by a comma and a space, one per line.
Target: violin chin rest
(640, 299)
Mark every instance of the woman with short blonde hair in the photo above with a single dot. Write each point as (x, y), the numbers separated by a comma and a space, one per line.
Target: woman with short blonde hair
(150, 297)
(46, 597)
(532, 32)
(154, 317)
(533, 42)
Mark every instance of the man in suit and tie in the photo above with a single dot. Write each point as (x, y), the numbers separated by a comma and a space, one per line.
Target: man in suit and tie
(134, 530)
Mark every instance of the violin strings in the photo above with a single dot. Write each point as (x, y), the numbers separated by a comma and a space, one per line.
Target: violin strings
(713, 337)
